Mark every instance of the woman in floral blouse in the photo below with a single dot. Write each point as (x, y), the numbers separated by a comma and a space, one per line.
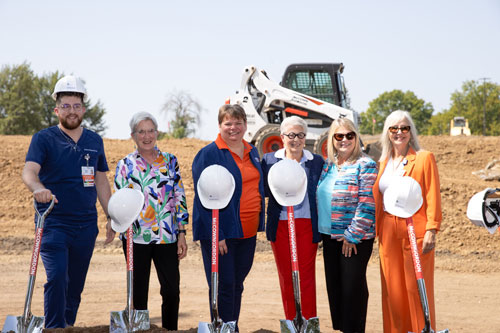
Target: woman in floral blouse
(159, 231)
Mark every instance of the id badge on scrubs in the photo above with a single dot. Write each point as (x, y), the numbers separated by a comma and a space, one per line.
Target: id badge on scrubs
(88, 176)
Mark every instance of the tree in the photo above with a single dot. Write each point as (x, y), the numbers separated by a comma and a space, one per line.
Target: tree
(471, 102)
(183, 112)
(387, 102)
(26, 105)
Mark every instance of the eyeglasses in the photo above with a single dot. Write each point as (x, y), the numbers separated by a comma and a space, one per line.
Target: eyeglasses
(348, 136)
(143, 132)
(66, 107)
(292, 135)
(395, 129)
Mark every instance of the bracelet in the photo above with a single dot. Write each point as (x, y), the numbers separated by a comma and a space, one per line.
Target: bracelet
(183, 231)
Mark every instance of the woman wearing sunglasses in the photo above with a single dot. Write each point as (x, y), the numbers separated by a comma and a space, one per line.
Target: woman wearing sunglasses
(293, 134)
(346, 210)
(401, 156)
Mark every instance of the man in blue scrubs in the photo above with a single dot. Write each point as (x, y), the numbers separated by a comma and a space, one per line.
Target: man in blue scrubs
(67, 161)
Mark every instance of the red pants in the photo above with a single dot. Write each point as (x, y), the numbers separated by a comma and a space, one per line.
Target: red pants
(306, 252)
(401, 307)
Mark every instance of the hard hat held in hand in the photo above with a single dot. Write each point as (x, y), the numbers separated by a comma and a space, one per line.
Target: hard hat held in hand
(288, 182)
(69, 83)
(124, 207)
(403, 197)
(479, 212)
(215, 187)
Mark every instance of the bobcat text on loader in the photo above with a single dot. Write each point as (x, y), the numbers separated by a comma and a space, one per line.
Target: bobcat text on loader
(314, 92)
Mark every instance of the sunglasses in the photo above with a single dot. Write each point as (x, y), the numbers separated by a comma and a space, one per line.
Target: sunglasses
(348, 136)
(395, 129)
(292, 135)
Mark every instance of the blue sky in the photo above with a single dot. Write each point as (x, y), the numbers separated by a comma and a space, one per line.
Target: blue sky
(133, 53)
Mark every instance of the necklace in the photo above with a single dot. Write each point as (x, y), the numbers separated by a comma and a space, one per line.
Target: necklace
(70, 141)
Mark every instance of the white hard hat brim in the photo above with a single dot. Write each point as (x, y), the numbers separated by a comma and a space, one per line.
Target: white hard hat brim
(124, 207)
(403, 198)
(475, 210)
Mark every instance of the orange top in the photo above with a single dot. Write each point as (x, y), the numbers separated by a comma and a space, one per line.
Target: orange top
(250, 201)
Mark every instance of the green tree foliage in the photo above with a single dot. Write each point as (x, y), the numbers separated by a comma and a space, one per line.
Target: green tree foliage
(26, 105)
(387, 102)
(183, 112)
(471, 102)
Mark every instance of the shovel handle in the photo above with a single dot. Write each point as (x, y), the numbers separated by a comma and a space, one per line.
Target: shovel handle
(215, 241)
(292, 239)
(414, 249)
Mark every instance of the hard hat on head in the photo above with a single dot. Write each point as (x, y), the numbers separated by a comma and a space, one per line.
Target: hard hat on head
(403, 197)
(124, 207)
(215, 187)
(69, 83)
(484, 211)
(288, 182)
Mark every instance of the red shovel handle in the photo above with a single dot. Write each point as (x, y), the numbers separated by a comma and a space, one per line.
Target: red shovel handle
(414, 249)
(292, 238)
(130, 249)
(215, 241)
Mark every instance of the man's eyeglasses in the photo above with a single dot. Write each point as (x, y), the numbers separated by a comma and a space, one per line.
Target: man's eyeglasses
(395, 129)
(292, 135)
(348, 136)
(143, 132)
(66, 107)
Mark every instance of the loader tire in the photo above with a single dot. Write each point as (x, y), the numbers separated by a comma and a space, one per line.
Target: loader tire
(269, 140)
(321, 145)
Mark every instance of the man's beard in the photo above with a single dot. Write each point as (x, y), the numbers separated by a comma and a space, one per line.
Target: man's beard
(71, 125)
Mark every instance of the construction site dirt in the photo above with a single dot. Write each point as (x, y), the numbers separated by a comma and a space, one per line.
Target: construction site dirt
(467, 256)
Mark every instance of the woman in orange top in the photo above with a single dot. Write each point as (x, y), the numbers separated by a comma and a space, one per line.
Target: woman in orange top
(402, 156)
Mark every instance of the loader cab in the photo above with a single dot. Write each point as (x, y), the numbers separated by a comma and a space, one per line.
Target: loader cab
(322, 81)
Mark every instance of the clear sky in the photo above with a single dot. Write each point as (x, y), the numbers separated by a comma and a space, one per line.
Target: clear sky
(133, 53)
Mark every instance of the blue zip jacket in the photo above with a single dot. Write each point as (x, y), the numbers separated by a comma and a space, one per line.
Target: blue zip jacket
(313, 168)
(229, 217)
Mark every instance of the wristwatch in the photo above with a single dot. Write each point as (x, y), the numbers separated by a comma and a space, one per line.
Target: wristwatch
(183, 231)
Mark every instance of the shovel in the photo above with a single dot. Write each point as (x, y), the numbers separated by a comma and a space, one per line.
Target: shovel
(299, 324)
(420, 277)
(28, 323)
(217, 325)
(129, 320)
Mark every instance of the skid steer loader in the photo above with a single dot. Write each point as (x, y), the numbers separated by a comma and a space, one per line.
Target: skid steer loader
(314, 92)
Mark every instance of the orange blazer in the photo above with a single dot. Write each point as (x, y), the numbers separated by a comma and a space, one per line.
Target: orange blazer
(422, 167)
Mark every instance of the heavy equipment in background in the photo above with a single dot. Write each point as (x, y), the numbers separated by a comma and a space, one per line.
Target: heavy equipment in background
(314, 92)
(459, 126)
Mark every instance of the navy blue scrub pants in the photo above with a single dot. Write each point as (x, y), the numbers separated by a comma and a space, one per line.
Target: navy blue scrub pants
(66, 251)
(234, 267)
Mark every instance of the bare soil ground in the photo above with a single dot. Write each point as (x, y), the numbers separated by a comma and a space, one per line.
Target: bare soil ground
(467, 261)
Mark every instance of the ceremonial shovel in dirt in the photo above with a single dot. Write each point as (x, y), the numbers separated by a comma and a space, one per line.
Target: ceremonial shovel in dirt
(403, 198)
(27, 323)
(215, 190)
(124, 207)
(288, 184)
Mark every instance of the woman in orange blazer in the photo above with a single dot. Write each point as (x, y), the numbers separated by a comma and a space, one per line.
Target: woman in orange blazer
(401, 156)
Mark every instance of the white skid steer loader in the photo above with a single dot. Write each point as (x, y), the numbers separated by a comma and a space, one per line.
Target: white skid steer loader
(267, 104)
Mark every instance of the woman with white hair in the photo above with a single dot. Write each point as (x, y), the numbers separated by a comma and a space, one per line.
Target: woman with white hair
(159, 231)
(346, 210)
(402, 156)
(293, 133)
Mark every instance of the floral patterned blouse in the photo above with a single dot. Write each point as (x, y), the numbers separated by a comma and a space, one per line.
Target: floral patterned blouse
(165, 205)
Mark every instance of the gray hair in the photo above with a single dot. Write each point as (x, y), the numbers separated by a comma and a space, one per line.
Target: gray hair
(140, 116)
(391, 120)
(293, 121)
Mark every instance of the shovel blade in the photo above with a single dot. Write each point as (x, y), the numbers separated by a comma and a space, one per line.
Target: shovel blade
(120, 322)
(229, 327)
(17, 324)
(309, 326)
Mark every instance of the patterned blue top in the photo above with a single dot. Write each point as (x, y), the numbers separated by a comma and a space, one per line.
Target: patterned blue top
(352, 203)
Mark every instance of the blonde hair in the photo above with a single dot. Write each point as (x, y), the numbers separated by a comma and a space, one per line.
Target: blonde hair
(391, 120)
(348, 125)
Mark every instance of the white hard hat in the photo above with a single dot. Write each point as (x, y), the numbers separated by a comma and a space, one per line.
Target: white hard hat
(69, 83)
(479, 214)
(215, 187)
(403, 197)
(288, 182)
(124, 207)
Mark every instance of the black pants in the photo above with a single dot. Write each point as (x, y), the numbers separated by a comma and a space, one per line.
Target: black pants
(346, 284)
(166, 263)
